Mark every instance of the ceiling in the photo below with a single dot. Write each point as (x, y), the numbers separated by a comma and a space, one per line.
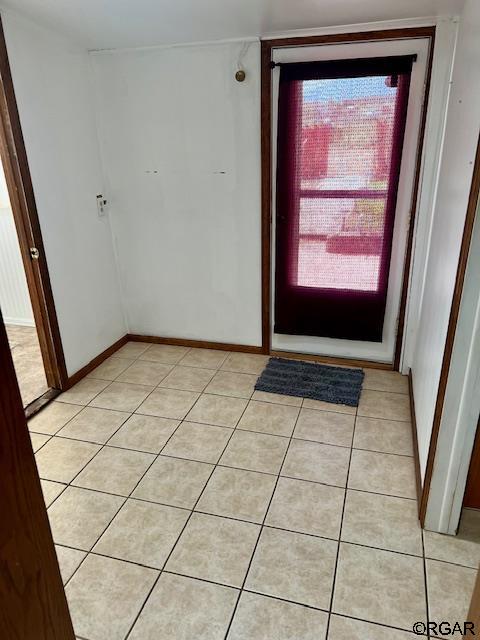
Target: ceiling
(106, 24)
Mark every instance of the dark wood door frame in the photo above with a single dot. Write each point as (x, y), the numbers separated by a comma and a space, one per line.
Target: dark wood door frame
(474, 609)
(22, 200)
(452, 327)
(34, 606)
(471, 497)
(266, 155)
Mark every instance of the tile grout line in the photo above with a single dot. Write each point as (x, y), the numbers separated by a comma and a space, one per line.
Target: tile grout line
(49, 437)
(106, 444)
(89, 551)
(184, 526)
(334, 577)
(172, 366)
(340, 615)
(399, 393)
(157, 386)
(252, 591)
(425, 582)
(157, 455)
(217, 369)
(102, 446)
(300, 407)
(135, 360)
(268, 526)
(215, 426)
(262, 525)
(204, 391)
(125, 497)
(69, 484)
(56, 497)
(224, 466)
(96, 443)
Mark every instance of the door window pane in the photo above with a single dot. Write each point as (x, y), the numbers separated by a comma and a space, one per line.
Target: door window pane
(345, 149)
(340, 243)
(347, 132)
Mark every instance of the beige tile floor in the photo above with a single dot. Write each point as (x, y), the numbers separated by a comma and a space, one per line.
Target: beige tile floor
(28, 362)
(185, 505)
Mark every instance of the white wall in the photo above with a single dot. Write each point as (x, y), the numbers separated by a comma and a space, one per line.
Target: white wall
(434, 137)
(53, 89)
(461, 408)
(14, 297)
(462, 128)
(181, 145)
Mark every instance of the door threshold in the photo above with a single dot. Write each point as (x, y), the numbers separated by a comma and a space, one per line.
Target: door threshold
(35, 406)
(346, 362)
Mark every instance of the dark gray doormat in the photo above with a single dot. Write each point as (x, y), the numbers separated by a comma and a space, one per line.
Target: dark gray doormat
(338, 385)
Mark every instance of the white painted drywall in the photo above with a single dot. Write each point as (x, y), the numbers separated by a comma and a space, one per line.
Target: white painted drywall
(14, 297)
(136, 23)
(461, 408)
(462, 128)
(181, 147)
(440, 87)
(53, 89)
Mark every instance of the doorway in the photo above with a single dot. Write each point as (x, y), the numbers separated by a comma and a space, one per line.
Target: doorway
(471, 499)
(32, 325)
(345, 125)
(16, 307)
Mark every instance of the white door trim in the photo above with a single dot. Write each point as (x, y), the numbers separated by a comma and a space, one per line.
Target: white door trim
(440, 86)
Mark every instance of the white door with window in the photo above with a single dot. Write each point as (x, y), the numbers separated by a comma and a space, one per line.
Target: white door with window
(345, 126)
